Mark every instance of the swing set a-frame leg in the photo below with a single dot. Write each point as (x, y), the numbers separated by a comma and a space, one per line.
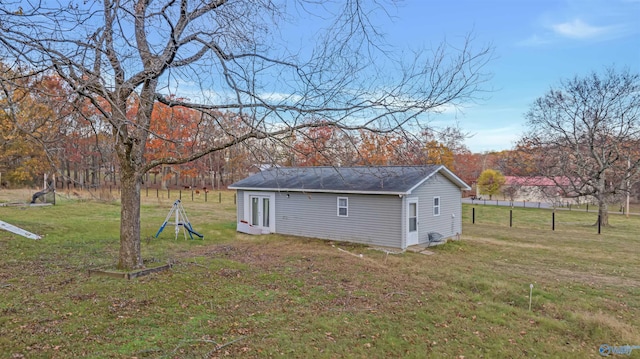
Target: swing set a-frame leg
(166, 220)
(181, 219)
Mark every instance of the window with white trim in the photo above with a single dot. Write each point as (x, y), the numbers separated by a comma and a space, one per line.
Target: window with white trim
(343, 207)
(436, 206)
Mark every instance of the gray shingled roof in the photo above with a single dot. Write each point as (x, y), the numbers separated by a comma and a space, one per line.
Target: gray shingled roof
(378, 179)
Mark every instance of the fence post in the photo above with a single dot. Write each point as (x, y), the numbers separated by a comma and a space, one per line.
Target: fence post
(473, 215)
(587, 207)
(510, 218)
(553, 221)
(168, 193)
(191, 195)
(234, 198)
(599, 223)
(205, 196)
(157, 193)
(219, 197)
(180, 195)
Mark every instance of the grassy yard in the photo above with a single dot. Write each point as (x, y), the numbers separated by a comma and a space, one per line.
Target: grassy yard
(233, 295)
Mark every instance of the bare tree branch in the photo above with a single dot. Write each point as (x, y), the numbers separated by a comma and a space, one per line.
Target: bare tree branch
(588, 132)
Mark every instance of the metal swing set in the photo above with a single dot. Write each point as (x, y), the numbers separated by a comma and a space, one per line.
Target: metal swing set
(181, 220)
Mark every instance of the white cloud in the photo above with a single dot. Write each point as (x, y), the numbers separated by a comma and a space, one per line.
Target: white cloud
(578, 29)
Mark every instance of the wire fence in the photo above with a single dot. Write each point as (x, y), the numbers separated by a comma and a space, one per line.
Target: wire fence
(112, 193)
(564, 205)
(532, 218)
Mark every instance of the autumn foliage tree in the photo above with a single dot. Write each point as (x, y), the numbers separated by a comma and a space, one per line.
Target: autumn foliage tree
(439, 154)
(28, 107)
(490, 182)
(467, 166)
(522, 161)
(379, 149)
(172, 135)
(318, 146)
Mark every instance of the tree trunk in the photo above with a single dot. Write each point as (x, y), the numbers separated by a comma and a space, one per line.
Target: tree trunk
(130, 183)
(163, 177)
(603, 213)
(603, 209)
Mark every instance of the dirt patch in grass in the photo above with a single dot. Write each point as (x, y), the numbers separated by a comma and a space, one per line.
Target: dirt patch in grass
(315, 263)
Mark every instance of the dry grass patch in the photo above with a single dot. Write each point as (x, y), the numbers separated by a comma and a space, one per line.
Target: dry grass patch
(613, 325)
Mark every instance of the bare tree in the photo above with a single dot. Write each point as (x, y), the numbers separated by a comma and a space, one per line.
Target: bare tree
(588, 130)
(113, 51)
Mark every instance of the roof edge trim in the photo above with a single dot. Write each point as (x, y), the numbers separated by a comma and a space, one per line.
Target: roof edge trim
(302, 190)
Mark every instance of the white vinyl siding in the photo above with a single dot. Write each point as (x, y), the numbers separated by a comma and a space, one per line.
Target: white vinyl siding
(448, 223)
(373, 219)
(343, 207)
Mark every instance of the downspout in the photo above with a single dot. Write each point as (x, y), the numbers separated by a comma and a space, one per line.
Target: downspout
(403, 219)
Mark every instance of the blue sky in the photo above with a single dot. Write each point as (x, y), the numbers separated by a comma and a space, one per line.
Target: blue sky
(537, 43)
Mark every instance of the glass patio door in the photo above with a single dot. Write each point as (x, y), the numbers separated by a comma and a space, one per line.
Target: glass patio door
(260, 211)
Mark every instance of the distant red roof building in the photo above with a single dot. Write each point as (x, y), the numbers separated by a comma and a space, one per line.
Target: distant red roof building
(540, 189)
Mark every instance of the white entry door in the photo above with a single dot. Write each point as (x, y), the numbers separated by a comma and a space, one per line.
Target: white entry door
(412, 221)
(260, 211)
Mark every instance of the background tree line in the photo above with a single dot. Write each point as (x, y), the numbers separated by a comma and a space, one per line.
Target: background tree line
(45, 128)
